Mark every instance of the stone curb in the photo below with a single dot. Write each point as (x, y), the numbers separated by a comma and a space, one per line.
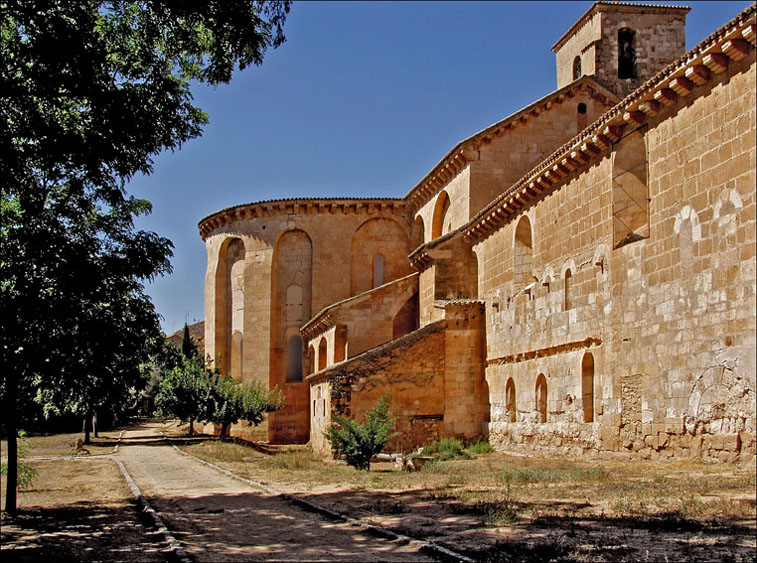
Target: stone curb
(428, 547)
(160, 526)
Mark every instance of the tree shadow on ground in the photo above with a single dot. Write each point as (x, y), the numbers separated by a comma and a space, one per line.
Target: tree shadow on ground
(551, 530)
(82, 531)
(259, 527)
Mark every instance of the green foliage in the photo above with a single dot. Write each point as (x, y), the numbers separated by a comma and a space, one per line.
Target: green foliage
(446, 449)
(543, 475)
(357, 442)
(231, 402)
(26, 473)
(188, 347)
(185, 391)
(480, 447)
(90, 93)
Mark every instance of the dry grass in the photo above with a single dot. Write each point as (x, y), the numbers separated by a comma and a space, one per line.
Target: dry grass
(497, 502)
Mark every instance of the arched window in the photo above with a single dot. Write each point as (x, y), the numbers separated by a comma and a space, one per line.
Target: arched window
(568, 280)
(541, 397)
(322, 353)
(441, 223)
(630, 192)
(294, 358)
(576, 68)
(587, 386)
(419, 232)
(311, 359)
(510, 400)
(523, 254)
(378, 270)
(626, 53)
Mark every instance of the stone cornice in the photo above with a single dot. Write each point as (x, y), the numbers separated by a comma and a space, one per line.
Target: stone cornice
(305, 206)
(731, 43)
(466, 151)
(616, 7)
(543, 352)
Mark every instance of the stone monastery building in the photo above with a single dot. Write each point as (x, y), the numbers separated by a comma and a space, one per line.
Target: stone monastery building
(577, 278)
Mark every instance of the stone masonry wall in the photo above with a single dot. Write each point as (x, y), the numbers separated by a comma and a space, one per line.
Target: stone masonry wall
(668, 320)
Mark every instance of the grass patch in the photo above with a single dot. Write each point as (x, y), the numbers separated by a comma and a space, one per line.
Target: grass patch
(480, 447)
(291, 461)
(446, 449)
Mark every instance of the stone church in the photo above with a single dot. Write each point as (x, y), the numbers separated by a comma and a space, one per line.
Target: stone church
(577, 278)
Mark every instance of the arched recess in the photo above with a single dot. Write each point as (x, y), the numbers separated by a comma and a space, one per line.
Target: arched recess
(229, 304)
(440, 224)
(540, 393)
(418, 232)
(291, 303)
(311, 359)
(235, 356)
(294, 358)
(322, 352)
(510, 404)
(406, 319)
(379, 236)
(523, 254)
(587, 386)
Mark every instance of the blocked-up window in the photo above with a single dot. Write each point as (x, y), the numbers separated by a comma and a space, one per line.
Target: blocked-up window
(294, 358)
(630, 191)
(510, 400)
(541, 397)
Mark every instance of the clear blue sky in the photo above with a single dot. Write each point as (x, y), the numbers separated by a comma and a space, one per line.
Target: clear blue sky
(362, 100)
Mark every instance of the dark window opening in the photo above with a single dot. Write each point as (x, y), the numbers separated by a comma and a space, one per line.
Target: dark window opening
(581, 108)
(626, 53)
(576, 68)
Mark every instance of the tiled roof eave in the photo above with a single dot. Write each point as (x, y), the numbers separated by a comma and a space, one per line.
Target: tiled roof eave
(731, 43)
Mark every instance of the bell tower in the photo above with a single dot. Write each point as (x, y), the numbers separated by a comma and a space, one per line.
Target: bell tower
(620, 44)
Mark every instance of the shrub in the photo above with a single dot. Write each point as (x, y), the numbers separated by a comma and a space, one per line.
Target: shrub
(26, 473)
(358, 443)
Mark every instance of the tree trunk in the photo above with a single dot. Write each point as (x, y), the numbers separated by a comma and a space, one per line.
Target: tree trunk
(191, 425)
(11, 427)
(86, 429)
(94, 426)
(224, 430)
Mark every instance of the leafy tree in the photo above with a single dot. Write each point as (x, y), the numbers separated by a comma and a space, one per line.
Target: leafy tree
(358, 443)
(185, 391)
(233, 401)
(90, 92)
(26, 472)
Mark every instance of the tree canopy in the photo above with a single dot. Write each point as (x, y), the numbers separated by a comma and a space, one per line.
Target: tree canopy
(90, 92)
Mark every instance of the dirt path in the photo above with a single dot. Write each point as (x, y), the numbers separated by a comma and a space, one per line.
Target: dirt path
(217, 518)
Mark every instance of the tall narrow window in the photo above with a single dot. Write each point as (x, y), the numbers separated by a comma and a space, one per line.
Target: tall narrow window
(441, 223)
(541, 397)
(587, 386)
(581, 117)
(294, 358)
(419, 232)
(576, 68)
(568, 280)
(322, 354)
(510, 400)
(523, 254)
(378, 271)
(630, 193)
(626, 53)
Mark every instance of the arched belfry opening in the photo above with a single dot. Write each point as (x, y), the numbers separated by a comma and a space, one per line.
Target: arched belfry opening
(626, 53)
(576, 68)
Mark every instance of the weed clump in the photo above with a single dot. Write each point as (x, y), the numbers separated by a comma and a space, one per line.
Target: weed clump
(480, 447)
(446, 449)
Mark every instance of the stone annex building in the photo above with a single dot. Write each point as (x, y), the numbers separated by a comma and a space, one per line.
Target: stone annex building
(576, 278)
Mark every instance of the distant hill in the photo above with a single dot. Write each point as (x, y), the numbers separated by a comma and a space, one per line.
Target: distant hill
(196, 333)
